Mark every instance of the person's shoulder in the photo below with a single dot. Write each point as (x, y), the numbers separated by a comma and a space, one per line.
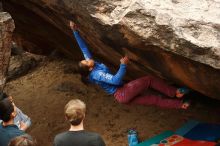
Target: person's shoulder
(61, 135)
(99, 65)
(96, 71)
(15, 130)
(93, 135)
(19, 133)
(96, 139)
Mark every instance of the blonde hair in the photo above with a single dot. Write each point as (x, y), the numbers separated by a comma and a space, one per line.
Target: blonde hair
(75, 111)
(23, 140)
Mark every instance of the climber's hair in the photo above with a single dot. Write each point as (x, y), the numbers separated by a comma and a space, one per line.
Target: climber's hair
(84, 72)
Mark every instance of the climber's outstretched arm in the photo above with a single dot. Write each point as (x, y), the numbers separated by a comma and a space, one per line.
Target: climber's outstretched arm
(87, 55)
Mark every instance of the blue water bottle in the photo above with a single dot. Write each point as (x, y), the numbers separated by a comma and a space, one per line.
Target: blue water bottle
(132, 138)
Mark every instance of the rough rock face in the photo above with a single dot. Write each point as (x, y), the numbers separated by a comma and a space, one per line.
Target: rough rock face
(6, 28)
(188, 28)
(1, 9)
(173, 39)
(22, 64)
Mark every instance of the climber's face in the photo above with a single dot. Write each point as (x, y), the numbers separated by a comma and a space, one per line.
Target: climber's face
(90, 63)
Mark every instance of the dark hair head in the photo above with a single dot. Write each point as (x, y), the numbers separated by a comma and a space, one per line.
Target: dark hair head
(23, 140)
(3, 95)
(84, 72)
(6, 109)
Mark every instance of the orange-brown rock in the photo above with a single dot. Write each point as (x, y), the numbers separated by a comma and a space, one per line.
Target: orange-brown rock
(173, 39)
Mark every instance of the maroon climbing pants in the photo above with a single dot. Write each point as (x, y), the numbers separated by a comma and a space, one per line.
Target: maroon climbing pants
(131, 93)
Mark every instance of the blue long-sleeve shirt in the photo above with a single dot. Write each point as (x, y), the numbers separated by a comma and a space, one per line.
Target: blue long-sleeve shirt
(87, 55)
(101, 74)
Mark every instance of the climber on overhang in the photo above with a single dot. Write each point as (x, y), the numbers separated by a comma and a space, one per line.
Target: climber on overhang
(132, 92)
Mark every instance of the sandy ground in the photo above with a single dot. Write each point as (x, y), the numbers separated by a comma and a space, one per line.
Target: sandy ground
(43, 92)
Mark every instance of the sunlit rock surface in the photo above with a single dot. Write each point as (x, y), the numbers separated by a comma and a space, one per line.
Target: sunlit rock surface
(174, 39)
(6, 29)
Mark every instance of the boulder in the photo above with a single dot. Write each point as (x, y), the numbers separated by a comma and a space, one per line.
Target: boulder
(6, 29)
(173, 39)
(22, 64)
(1, 9)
